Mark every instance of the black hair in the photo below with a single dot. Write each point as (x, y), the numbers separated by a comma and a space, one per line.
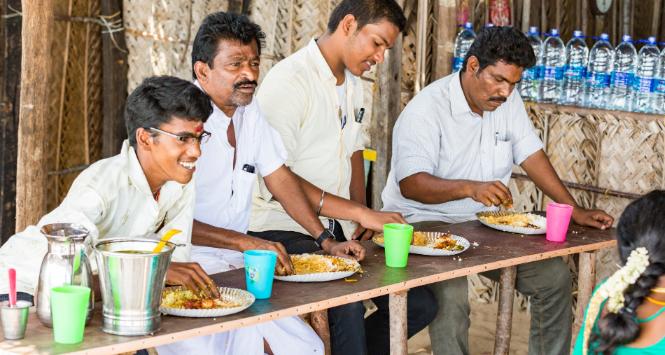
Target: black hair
(366, 12)
(641, 225)
(161, 98)
(223, 26)
(501, 43)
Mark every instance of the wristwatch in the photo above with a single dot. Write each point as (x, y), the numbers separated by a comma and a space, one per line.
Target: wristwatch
(323, 237)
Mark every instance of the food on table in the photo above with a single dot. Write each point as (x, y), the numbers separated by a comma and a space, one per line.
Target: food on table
(178, 297)
(314, 264)
(512, 219)
(431, 240)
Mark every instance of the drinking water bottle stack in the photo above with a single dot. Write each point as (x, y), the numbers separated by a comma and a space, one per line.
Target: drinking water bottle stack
(462, 43)
(554, 58)
(531, 77)
(660, 86)
(577, 55)
(644, 97)
(597, 84)
(625, 62)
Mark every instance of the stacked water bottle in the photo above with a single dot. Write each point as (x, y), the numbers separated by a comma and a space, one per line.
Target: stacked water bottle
(618, 78)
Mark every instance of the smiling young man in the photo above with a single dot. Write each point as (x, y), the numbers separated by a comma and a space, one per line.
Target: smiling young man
(439, 174)
(147, 188)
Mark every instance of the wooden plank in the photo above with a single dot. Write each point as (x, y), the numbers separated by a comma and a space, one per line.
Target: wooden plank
(37, 31)
(10, 73)
(585, 283)
(504, 319)
(290, 299)
(398, 315)
(114, 74)
(445, 37)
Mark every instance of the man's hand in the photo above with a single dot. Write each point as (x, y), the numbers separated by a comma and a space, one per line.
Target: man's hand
(362, 233)
(492, 193)
(375, 220)
(592, 218)
(192, 276)
(284, 266)
(351, 249)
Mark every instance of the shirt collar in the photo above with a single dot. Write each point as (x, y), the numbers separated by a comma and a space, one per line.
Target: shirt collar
(458, 102)
(219, 117)
(135, 171)
(320, 63)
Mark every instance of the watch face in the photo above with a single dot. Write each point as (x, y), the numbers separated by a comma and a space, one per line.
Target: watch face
(603, 5)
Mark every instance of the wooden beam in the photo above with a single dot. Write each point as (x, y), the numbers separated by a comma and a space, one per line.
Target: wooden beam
(421, 45)
(504, 319)
(526, 15)
(585, 283)
(386, 108)
(114, 77)
(655, 20)
(10, 74)
(37, 31)
(398, 317)
(446, 14)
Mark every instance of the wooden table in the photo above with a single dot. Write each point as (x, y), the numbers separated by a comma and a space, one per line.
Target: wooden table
(495, 250)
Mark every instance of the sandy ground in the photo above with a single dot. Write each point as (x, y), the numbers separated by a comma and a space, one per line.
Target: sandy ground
(481, 334)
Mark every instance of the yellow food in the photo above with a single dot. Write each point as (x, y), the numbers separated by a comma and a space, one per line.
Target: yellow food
(513, 219)
(422, 239)
(185, 299)
(314, 264)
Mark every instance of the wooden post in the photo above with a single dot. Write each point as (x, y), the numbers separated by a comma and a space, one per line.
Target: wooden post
(504, 317)
(398, 318)
(655, 20)
(319, 322)
(446, 31)
(37, 32)
(421, 45)
(585, 283)
(526, 15)
(114, 74)
(10, 47)
(386, 108)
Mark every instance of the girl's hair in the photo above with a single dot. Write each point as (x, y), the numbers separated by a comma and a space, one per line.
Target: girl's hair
(642, 224)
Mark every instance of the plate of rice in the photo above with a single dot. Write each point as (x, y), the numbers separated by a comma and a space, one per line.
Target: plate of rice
(180, 301)
(320, 268)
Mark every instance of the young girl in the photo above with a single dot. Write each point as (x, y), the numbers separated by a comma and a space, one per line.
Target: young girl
(626, 314)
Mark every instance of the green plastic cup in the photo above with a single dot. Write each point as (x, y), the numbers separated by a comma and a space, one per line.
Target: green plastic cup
(397, 240)
(69, 307)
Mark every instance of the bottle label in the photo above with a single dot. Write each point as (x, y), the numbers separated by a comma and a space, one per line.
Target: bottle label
(659, 86)
(622, 79)
(457, 64)
(533, 73)
(555, 73)
(598, 80)
(644, 85)
(574, 72)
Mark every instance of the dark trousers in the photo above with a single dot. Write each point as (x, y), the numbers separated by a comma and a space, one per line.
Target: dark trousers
(350, 332)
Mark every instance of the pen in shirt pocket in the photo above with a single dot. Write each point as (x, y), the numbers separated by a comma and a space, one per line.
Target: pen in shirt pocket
(360, 114)
(496, 138)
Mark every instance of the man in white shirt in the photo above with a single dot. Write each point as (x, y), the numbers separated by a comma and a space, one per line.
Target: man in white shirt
(454, 147)
(314, 99)
(145, 189)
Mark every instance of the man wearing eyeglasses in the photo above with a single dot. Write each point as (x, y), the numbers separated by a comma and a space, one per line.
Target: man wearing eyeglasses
(147, 188)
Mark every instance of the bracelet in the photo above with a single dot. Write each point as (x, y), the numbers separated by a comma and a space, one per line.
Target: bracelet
(318, 212)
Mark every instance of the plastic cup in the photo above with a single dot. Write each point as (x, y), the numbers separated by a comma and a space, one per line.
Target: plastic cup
(14, 319)
(69, 308)
(259, 272)
(558, 219)
(397, 241)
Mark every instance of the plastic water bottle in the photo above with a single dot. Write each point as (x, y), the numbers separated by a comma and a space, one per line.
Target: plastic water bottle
(462, 43)
(644, 97)
(625, 61)
(530, 83)
(577, 55)
(554, 58)
(597, 84)
(660, 86)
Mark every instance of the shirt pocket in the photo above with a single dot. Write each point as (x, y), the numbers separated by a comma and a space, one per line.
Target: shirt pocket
(503, 159)
(351, 135)
(243, 190)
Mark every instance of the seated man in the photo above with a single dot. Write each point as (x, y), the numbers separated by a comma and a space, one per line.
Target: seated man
(225, 63)
(147, 188)
(439, 174)
(314, 99)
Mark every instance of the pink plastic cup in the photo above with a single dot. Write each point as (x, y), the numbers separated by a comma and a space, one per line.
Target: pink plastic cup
(558, 219)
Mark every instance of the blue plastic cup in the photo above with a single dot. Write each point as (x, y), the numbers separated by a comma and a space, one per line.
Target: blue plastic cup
(259, 272)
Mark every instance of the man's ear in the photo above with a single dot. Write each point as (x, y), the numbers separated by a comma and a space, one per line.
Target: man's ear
(348, 25)
(144, 139)
(202, 71)
(472, 65)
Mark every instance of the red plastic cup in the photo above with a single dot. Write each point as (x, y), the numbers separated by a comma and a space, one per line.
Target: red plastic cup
(558, 219)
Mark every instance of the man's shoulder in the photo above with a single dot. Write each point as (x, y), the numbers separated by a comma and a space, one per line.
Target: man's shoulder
(105, 173)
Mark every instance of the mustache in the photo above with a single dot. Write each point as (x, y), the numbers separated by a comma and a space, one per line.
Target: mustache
(498, 98)
(245, 82)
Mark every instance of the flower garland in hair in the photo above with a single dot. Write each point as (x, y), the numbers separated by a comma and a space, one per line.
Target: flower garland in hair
(613, 290)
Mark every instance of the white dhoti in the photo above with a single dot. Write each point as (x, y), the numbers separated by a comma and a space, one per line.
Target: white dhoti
(287, 336)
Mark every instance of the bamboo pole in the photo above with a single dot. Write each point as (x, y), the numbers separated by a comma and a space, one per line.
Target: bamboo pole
(398, 316)
(421, 45)
(504, 318)
(526, 15)
(655, 20)
(585, 284)
(37, 31)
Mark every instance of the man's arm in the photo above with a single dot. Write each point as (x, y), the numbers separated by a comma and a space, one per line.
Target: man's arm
(541, 171)
(426, 188)
(357, 188)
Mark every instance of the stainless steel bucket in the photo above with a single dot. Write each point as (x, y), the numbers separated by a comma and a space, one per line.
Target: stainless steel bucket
(131, 284)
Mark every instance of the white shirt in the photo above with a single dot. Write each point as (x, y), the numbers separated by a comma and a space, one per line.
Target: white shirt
(299, 99)
(224, 193)
(437, 133)
(111, 198)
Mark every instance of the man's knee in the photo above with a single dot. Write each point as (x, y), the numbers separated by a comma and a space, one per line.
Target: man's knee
(454, 291)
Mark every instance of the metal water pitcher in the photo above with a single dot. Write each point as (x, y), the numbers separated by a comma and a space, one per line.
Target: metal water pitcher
(65, 263)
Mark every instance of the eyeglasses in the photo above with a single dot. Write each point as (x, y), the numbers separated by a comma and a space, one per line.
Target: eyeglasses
(185, 138)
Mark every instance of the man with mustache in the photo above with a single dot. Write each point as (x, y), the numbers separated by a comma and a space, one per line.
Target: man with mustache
(454, 147)
(314, 99)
